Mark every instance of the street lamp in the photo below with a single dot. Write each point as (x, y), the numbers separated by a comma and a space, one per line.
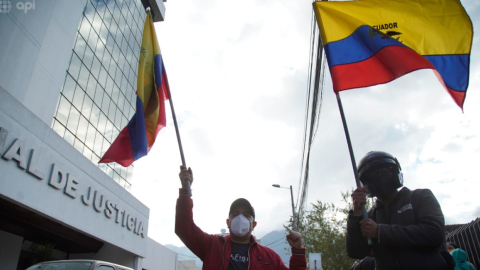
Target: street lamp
(293, 206)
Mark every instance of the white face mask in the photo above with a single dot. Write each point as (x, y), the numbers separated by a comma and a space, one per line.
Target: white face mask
(240, 225)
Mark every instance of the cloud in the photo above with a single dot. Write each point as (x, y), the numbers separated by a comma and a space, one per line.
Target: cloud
(238, 76)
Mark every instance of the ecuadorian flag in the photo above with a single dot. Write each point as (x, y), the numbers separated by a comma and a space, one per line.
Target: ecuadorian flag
(370, 42)
(136, 139)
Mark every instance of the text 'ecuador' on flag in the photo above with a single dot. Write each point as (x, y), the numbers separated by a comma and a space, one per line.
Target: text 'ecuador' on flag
(136, 139)
(370, 42)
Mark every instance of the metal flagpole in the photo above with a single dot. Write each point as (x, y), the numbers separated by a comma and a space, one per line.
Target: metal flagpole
(178, 134)
(350, 148)
(175, 122)
(352, 157)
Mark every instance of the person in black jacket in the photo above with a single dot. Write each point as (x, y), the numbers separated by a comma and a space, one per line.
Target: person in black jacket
(407, 227)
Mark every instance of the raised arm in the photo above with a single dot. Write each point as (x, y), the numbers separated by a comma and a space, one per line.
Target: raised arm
(190, 234)
(297, 260)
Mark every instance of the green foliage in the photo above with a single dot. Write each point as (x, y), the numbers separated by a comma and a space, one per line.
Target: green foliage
(44, 253)
(324, 230)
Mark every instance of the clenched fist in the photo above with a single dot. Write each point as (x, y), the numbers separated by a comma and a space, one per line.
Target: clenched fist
(359, 197)
(369, 228)
(185, 175)
(294, 239)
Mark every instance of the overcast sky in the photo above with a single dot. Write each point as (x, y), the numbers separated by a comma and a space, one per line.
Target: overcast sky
(238, 76)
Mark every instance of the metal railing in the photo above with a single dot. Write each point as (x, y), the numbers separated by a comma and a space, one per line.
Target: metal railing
(467, 237)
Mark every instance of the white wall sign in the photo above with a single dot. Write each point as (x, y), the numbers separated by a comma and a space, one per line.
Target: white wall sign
(61, 180)
(315, 261)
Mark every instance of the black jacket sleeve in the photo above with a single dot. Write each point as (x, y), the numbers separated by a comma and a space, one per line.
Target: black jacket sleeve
(428, 230)
(356, 243)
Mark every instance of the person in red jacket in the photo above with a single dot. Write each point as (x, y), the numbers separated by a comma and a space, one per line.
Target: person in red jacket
(239, 250)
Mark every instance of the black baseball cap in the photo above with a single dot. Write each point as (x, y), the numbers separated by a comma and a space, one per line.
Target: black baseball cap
(242, 202)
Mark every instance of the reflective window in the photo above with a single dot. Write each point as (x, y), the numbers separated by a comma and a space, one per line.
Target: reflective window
(63, 110)
(78, 145)
(59, 128)
(75, 65)
(98, 96)
(109, 86)
(73, 120)
(88, 58)
(89, 12)
(90, 139)
(104, 32)
(95, 115)
(87, 153)
(97, 147)
(118, 118)
(100, 48)
(92, 39)
(124, 121)
(69, 87)
(105, 147)
(111, 110)
(82, 129)
(95, 70)
(78, 98)
(95, 159)
(121, 101)
(102, 122)
(97, 23)
(105, 102)
(102, 77)
(84, 30)
(69, 137)
(87, 107)
(126, 111)
(80, 46)
(109, 171)
(109, 131)
(83, 77)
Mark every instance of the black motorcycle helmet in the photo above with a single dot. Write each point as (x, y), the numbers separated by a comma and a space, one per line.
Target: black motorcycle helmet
(380, 173)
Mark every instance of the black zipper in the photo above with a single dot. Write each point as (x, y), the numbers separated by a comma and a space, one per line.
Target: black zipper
(223, 254)
(249, 256)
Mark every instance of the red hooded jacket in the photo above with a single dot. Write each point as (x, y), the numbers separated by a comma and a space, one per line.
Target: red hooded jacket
(215, 250)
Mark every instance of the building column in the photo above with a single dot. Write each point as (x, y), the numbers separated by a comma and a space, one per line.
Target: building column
(137, 265)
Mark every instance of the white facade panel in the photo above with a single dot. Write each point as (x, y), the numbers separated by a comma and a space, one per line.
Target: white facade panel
(41, 171)
(68, 199)
(42, 38)
(159, 257)
(17, 57)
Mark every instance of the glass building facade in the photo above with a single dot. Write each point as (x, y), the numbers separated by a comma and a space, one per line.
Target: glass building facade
(98, 96)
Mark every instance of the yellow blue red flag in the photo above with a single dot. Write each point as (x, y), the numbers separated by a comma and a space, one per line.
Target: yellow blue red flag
(370, 42)
(136, 139)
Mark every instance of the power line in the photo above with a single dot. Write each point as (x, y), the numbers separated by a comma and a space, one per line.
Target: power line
(313, 109)
(275, 241)
(195, 257)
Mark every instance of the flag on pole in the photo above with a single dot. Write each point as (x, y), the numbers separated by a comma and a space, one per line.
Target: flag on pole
(370, 42)
(136, 139)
